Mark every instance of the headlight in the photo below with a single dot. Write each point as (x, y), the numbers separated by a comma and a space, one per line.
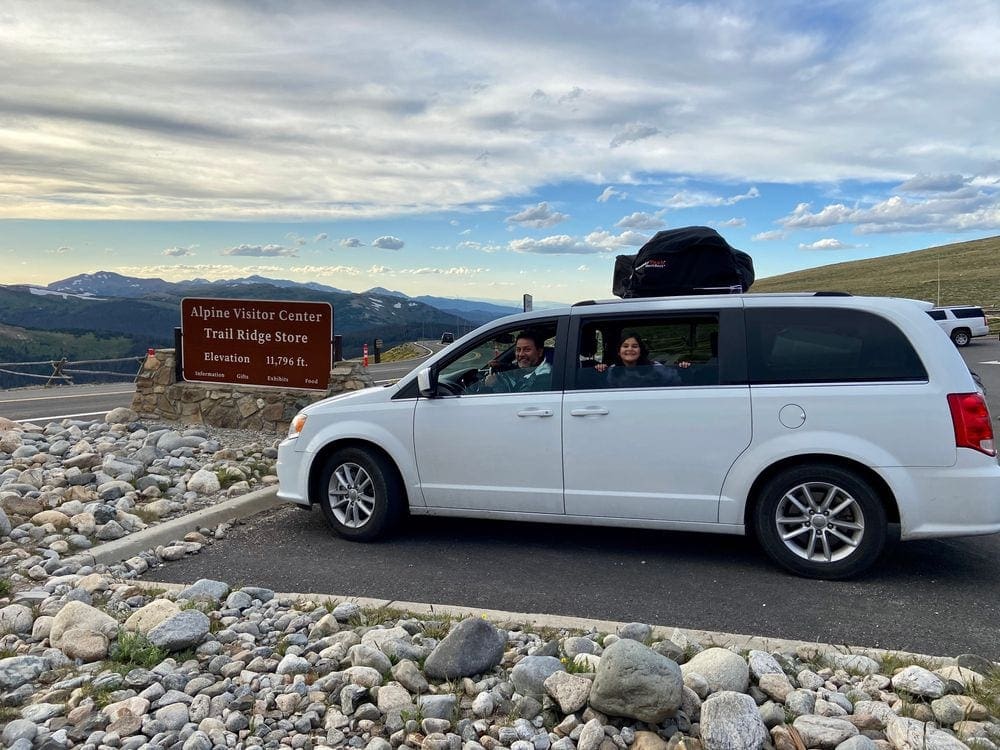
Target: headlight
(298, 423)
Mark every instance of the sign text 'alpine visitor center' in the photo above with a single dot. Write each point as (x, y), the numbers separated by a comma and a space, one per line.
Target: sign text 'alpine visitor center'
(257, 342)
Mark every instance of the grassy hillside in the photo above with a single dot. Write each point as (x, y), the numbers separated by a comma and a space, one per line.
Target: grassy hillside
(969, 274)
(22, 345)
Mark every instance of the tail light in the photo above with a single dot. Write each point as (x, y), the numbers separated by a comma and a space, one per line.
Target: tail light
(971, 419)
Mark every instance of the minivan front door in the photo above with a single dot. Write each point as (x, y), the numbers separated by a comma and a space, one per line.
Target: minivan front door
(491, 452)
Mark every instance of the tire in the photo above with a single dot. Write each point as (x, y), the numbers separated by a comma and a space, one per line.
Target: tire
(794, 524)
(961, 336)
(360, 494)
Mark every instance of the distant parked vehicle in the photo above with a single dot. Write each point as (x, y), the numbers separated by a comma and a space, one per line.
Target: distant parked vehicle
(447, 337)
(961, 322)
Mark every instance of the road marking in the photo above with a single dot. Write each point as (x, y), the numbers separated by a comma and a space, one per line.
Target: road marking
(50, 398)
(60, 416)
(991, 362)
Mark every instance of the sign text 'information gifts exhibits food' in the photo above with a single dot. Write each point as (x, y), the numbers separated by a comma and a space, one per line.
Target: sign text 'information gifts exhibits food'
(257, 342)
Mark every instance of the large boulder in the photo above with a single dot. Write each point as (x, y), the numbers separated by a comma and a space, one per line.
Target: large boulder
(79, 615)
(721, 668)
(636, 682)
(472, 647)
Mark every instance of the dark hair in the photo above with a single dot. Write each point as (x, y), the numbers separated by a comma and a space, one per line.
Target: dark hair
(534, 335)
(643, 349)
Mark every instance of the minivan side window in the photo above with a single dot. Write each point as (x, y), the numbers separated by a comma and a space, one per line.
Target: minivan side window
(811, 345)
(675, 350)
(968, 312)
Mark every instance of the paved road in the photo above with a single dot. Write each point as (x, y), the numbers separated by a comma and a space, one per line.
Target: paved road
(935, 597)
(62, 401)
(84, 401)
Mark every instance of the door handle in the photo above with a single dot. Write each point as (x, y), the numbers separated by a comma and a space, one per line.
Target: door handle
(535, 413)
(589, 411)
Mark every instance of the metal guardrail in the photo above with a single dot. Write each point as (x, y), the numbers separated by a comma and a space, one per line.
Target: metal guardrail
(63, 369)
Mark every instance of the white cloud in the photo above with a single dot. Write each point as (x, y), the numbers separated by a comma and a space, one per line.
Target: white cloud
(773, 234)
(943, 183)
(609, 193)
(537, 217)
(583, 269)
(388, 243)
(351, 242)
(825, 244)
(376, 270)
(979, 210)
(453, 271)
(733, 222)
(179, 252)
(262, 251)
(485, 247)
(606, 241)
(320, 237)
(695, 199)
(560, 244)
(641, 220)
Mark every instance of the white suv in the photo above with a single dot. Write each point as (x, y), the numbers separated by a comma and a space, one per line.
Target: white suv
(961, 323)
(819, 424)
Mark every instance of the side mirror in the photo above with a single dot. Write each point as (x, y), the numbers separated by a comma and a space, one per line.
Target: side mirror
(427, 382)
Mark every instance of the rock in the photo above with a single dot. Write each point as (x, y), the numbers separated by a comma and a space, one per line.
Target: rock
(852, 663)
(648, 741)
(79, 615)
(592, 735)
(183, 630)
(59, 520)
(205, 590)
(204, 482)
(975, 663)
(474, 646)
(15, 671)
(909, 733)
(918, 681)
(721, 668)
(951, 709)
(636, 682)
(16, 618)
(776, 686)
(570, 691)
(731, 721)
(823, 732)
(85, 644)
(120, 415)
(762, 663)
(529, 674)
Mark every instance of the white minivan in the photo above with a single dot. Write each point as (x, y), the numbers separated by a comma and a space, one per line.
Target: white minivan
(823, 425)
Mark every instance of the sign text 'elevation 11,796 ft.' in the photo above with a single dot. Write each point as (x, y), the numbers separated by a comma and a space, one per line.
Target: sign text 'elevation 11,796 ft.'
(257, 342)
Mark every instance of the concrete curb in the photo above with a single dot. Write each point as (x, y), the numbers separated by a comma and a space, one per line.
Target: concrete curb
(131, 545)
(561, 622)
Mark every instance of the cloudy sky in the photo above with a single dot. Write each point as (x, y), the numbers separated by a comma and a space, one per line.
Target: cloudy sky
(487, 149)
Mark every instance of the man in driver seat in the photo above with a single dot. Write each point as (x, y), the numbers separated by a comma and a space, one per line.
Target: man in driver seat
(533, 373)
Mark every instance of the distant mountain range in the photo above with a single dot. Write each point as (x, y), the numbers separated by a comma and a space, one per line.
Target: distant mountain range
(105, 314)
(110, 284)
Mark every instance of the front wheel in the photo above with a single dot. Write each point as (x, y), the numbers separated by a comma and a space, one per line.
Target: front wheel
(961, 337)
(821, 521)
(360, 494)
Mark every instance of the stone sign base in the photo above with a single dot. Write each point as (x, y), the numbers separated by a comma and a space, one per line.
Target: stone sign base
(159, 394)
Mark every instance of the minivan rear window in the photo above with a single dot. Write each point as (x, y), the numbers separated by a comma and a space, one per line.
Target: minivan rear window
(812, 345)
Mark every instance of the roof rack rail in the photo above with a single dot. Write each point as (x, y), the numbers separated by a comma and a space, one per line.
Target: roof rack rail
(584, 303)
(832, 294)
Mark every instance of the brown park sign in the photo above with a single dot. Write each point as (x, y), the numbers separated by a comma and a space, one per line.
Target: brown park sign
(257, 342)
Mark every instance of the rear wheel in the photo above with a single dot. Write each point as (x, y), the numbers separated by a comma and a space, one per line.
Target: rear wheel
(360, 494)
(821, 521)
(961, 336)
